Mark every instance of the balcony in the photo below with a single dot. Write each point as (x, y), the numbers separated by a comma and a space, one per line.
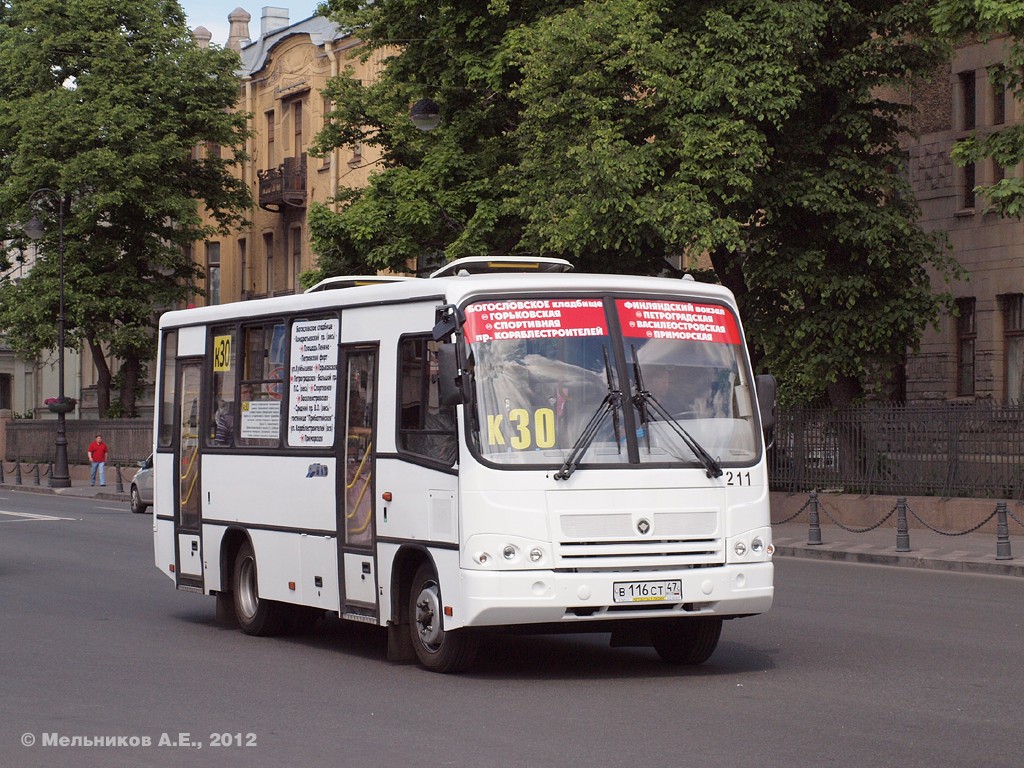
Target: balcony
(285, 186)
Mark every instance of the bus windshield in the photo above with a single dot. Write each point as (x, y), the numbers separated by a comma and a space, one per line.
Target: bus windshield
(601, 383)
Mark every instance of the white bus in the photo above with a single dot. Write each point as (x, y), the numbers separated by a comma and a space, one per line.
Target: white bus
(528, 449)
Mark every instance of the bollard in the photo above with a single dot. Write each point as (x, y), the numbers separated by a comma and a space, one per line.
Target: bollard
(814, 527)
(17, 472)
(1002, 533)
(120, 482)
(2, 480)
(902, 529)
(36, 475)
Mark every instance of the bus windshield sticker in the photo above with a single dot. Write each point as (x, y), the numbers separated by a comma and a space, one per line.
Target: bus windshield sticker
(261, 419)
(314, 382)
(679, 320)
(222, 353)
(534, 319)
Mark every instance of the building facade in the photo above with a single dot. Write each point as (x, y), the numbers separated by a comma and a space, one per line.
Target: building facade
(977, 352)
(283, 73)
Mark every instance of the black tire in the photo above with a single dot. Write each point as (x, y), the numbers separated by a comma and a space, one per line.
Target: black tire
(136, 501)
(255, 616)
(436, 649)
(686, 641)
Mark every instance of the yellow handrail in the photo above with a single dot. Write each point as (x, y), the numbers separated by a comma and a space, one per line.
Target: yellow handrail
(362, 493)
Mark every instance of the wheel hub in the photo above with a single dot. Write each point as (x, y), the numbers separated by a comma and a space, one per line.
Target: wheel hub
(427, 616)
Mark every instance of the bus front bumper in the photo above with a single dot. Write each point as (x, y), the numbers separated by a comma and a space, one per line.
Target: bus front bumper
(549, 597)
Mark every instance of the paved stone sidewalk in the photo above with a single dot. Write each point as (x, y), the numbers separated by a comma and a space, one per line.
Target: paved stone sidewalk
(971, 553)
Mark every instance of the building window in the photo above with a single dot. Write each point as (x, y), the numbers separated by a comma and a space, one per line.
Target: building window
(966, 337)
(244, 267)
(968, 117)
(6, 389)
(326, 159)
(998, 96)
(967, 184)
(296, 256)
(297, 123)
(268, 246)
(212, 273)
(1013, 330)
(271, 150)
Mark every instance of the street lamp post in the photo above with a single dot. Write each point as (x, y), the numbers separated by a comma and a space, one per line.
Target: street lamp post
(60, 477)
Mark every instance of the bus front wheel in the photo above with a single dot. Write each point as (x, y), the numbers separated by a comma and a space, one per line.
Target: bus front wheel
(255, 616)
(436, 649)
(686, 641)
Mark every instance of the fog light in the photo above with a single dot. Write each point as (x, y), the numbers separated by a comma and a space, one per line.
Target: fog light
(757, 546)
(536, 555)
(740, 549)
(509, 552)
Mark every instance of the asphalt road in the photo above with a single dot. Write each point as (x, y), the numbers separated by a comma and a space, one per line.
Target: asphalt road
(856, 665)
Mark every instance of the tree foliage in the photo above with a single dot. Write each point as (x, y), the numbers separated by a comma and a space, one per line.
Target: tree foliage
(986, 19)
(618, 133)
(103, 103)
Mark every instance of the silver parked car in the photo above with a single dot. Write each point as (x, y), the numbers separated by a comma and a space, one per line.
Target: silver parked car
(142, 486)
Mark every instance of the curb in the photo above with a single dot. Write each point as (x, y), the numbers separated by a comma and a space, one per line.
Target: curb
(993, 568)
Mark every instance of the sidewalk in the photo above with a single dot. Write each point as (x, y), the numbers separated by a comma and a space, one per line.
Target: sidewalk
(969, 553)
(79, 487)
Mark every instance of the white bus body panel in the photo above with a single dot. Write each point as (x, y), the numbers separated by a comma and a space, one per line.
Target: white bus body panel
(269, 491)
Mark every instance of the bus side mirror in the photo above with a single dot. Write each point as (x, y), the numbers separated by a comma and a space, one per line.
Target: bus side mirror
(449, 390)
(766, 386)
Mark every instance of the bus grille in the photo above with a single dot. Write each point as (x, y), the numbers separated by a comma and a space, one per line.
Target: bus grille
(659, 553)
(673, 539)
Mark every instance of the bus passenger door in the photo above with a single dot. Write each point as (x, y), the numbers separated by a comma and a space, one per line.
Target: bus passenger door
(187, 521)
(356, 495)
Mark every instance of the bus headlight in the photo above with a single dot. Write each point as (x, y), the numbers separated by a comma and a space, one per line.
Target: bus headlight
(504, 551)
(754, 546)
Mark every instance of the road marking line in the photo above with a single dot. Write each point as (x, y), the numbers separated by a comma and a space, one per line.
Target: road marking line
(32, 516)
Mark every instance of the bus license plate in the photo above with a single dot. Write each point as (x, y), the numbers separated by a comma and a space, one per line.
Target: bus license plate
(647, 591)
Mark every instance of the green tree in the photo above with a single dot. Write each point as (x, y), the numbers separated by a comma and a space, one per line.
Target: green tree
(985, 19)
(617, 133)
(104, 103)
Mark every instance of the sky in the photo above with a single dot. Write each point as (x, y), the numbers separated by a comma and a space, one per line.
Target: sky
(213, 14)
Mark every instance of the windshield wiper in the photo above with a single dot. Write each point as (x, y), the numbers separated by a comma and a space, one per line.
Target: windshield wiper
(643, 400)
(611, 403)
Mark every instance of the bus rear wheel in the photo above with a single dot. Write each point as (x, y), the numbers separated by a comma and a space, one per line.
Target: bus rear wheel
(255, 616)
(686, 641)
(436, 649)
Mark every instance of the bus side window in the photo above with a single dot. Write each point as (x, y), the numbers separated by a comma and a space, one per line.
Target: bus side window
(426, 428)
(220, 428)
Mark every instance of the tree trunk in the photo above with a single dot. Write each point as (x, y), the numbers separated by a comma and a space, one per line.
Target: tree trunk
(103, 377)
(130, 368)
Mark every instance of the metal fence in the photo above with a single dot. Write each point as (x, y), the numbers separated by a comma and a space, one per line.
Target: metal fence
(32, 440)
(969, 450)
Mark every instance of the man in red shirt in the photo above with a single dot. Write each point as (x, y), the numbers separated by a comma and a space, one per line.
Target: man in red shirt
(98, 459)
